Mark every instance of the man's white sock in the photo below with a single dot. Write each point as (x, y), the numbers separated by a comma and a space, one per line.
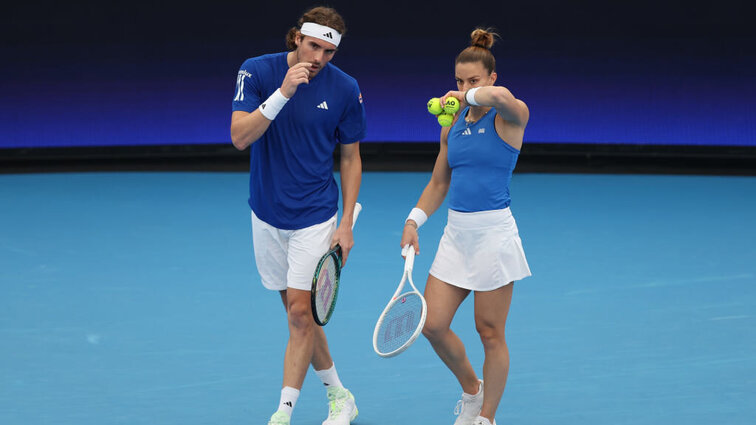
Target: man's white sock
(289, 398)
(329, 377)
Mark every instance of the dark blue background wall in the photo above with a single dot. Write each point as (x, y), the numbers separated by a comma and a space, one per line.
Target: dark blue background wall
(157, 73)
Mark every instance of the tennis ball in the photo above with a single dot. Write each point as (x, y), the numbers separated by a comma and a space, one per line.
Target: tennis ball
(451, 106)
(445, 119)
(434, 106)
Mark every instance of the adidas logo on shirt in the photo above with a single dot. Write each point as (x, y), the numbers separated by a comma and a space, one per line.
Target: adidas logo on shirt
(467, 132)
(323, 105)
(481, 130)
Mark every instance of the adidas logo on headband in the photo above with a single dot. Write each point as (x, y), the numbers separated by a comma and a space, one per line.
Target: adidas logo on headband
(321, 32)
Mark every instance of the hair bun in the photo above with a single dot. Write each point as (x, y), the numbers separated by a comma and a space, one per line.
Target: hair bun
(482, 38)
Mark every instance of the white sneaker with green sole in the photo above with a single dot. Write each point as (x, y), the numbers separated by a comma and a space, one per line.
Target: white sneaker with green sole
(341, 407)
(279, 418)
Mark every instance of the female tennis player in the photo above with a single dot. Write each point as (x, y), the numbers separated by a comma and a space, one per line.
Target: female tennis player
(293, 108)
(480, 250)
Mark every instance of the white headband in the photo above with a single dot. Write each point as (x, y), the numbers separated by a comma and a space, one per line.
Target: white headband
(322, 32)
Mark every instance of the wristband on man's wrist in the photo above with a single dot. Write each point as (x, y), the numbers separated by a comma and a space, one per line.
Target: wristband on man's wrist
(271, 107)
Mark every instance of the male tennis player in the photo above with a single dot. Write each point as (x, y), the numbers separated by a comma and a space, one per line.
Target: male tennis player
(293, 108)
(480, 250)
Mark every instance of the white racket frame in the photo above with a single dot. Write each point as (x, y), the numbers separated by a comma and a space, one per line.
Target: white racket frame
(409, 263)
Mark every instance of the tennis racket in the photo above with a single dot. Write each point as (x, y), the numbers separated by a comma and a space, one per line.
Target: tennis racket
(325, 281)
(404, 316)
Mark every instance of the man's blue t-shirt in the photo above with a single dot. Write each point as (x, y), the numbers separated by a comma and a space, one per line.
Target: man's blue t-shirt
(291, 184)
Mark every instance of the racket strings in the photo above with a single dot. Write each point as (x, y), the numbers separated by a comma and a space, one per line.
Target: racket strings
(400, 323)
(325, 288)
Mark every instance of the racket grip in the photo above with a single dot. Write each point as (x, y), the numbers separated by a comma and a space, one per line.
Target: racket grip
(409, 259)
(357, 210)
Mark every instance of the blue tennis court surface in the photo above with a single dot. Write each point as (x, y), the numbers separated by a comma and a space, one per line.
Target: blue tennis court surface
(132, 298)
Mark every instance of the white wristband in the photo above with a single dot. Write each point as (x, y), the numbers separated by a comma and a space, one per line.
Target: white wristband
(418, 216)
(470, 97)
(271, 107)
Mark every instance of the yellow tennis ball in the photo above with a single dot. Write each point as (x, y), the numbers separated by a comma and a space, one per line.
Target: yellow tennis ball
(451, 106)
(434, 106)
(445, 119)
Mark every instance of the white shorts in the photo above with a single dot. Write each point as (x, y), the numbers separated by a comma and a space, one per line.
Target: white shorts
(480, 251)
(287, 258)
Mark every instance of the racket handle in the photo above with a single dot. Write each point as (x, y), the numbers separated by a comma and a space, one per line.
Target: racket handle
(357, 209)
(409, 259)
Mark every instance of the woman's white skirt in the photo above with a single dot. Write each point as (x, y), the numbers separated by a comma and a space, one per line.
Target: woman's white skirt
(480, 251)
